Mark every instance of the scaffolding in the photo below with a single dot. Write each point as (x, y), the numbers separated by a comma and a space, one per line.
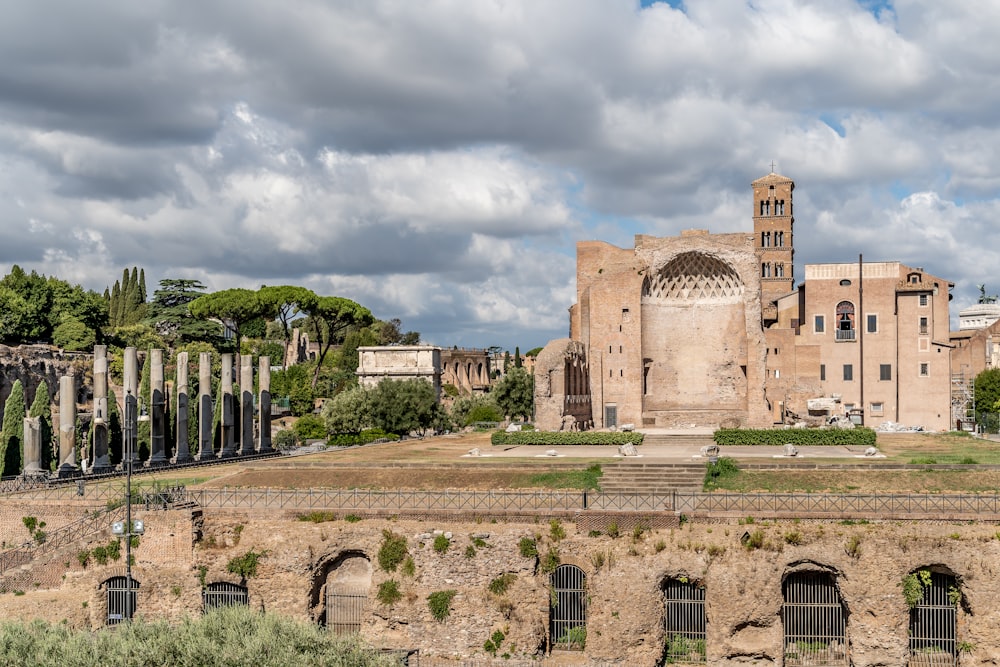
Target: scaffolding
(963, 401)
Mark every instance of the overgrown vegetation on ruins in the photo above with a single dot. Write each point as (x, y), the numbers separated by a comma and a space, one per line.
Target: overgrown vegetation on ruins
(231, 635)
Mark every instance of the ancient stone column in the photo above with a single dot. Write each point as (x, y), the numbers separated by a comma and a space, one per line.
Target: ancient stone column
(67, 427)
(228, 441)
(102, 463)
(264, 405)
(157, 435)
(246, 405)
(182, 453)
(33, 446)
(205, 449)
(130, 420)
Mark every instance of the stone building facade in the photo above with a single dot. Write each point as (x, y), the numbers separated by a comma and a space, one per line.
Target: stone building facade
(710, 330)
(468, 370)
(399, 362)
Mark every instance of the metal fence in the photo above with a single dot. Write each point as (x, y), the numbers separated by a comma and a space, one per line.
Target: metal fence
(814, 621)
(821, 504)
(933, 624)
(568, 608)
(684, 622)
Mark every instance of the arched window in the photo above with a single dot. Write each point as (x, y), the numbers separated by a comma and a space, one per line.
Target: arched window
(779, 239)
(779, 270)
(765, 270)
(347, 580)
(765, 239)
(934, 616)
(684, 622)
(224, 594)
(814, 620)
(568, 608)
(845, 320)
(121, 599)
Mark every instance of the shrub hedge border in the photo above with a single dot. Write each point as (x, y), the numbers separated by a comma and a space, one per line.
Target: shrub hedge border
(566, 438)
(859, 437)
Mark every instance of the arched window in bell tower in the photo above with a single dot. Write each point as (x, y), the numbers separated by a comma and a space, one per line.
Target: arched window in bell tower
(765, 270)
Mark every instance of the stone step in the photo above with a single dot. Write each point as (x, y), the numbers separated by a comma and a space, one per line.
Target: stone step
(634, 477)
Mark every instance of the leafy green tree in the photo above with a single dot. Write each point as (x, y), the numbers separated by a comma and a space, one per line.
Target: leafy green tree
(987, 388)
(12, 433)
(72, 302)
(402, 406)
(348, 412)
(476, 408)
(139, 336)
(347, 360)
(283, 303)
(234, 307)
(145, 405)
(514, 394)
(41, 407)
(32, 307)
(310, 427)
(170, 318)
(294, 382)
(330, 317)
(391, 333)
(74, 335)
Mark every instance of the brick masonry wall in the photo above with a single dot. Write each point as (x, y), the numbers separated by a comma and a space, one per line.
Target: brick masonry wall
(625, 612)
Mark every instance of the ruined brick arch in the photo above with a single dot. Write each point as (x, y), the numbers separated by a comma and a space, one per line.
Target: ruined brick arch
(349, 569)
(694, 276)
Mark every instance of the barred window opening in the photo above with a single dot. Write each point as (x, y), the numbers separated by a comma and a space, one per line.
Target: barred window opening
(121, 599)
(568, 608)
(814, 621)
(684, 622)
(934, 621)
(224, 594)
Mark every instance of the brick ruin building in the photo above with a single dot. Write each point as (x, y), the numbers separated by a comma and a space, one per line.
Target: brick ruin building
(711, 330)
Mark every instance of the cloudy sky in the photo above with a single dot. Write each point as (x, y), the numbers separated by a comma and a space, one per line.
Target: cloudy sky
(437, 161)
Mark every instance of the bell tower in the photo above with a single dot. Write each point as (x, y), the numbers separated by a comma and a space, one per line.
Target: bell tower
(773, 220)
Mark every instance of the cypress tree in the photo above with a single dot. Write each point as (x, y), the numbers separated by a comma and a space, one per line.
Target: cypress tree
(12, 434)
(115, 309)
(517, 357)
(142, 285)
(41, 406)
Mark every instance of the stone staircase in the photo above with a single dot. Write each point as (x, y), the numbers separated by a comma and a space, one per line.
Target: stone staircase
(652, 478)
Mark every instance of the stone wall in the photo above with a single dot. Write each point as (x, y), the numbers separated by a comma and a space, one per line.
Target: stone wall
(33, 363)
(624, 592)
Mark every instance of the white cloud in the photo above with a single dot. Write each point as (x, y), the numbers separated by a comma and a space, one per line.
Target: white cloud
(438, 160)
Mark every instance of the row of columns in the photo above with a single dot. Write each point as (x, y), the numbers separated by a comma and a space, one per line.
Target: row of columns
(158, 411)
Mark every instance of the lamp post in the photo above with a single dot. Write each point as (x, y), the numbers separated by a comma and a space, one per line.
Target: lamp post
(129, 527)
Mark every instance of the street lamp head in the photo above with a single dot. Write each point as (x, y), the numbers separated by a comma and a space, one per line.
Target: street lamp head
(138, 527)
(118, 528)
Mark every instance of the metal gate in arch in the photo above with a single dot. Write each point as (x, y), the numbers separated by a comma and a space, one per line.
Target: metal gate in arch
(568, 608)
(121, 599)
(224, 594)
(345, 605)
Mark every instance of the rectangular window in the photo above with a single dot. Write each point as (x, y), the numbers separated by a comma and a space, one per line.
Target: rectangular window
(925, 369)
(848, 372)
(822, 372)
(818, 327)
(619, 349)
(923, 299)
(777, 373)
(923, 326)
(885, 372)
(876, 408)
(872, 324)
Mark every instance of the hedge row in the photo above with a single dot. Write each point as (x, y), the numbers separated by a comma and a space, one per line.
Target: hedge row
(566, 438)
(363, 438)
(859, 437)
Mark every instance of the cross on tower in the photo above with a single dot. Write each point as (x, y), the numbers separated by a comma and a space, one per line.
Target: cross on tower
(772, 166)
